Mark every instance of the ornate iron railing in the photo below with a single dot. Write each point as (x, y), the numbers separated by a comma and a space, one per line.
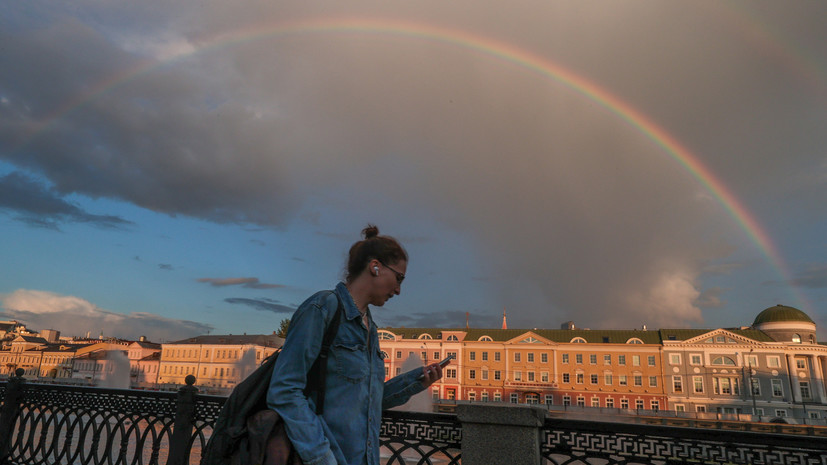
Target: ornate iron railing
(95, 426)
(577, 441)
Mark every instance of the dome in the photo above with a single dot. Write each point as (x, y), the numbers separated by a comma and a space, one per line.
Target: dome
(781, 313)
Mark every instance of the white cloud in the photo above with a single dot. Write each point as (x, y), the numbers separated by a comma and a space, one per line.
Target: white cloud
(75, 316)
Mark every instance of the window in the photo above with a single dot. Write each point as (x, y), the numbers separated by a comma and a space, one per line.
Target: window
(777, 389)
(639, 404)
(621, 380)
(634, 340)
(724, 386)
(781, 413)
(595, 402)
(567, 400)
(544, 376)
(774, 361)
(543, 358)
(532, 399)
(436, 355)
(805, 389)
(756, 386)
(451, 354)
(721, 360)
(387, 371)
(515, 398)
(566, 378)
(435, 393)
(498, 397)
(674, 359)
(472, 374)
(698, 384)
(680, 408)
(581, 401)
(610, 402)
(472, 355)
(484, 374)
(485, 356)
(565, 358)
(759, 411)
(624, 403)
(636, 360)
(677, 384)
(813, 415)
(751, 361)
(796, 339)
(607, 359)
(398, 354)
(484, 396)
(451, 373)
(530, 375)
(607, 379)
(423, 355)
(695, 359)
(549, 399)
(638, 380)
(650, 360)
(497, 375)
(578, 340)
(496, 356)
(530, 357)
(621, 360)
(654, 405)
(452, 338)
(801, 364)
(593, 379)
(653, 381)
(518, 376)
(593, 359)
(516, 356)
(486, 339)
(472, 396)
(579, 378)
(700, 408)
(578, 358)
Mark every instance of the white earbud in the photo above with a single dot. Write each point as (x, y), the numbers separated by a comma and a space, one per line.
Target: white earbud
(376, 270)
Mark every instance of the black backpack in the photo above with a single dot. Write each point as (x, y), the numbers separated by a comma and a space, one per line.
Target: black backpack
(250, 396)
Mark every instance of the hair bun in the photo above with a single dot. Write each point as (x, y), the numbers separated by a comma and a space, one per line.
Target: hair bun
(370, 232)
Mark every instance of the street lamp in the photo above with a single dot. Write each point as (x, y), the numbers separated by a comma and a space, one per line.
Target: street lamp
(751, 386)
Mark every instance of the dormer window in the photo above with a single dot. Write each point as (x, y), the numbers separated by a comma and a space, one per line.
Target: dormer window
(796, 339)
(453, 338)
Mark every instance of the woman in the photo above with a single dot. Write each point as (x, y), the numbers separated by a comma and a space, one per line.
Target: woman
(347, 433)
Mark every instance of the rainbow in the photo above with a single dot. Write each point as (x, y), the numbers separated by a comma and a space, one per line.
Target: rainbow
(489, 47)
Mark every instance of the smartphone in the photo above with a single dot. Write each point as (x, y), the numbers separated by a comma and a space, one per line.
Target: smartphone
(442, 363)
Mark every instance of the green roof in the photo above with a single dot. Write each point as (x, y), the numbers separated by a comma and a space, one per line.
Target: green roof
(781, 313)
(684, 334)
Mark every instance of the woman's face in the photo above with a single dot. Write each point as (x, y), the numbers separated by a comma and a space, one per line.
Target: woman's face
(388, 281)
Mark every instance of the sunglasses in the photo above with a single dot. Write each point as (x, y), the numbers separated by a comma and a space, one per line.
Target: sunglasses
(399, 276)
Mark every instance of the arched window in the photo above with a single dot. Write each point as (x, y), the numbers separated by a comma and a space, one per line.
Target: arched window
(723, 361)
(578, 340)
(634, 340)
(384, 355)
(796, 338)
(424, 336)
(453, 337)
(486, 339)
(386, 335)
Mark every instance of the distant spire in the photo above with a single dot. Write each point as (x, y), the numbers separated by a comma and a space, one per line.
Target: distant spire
(505, 326)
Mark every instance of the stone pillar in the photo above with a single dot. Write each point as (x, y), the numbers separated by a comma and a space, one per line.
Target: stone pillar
(501, 433)
(817, 367)
(792, 371)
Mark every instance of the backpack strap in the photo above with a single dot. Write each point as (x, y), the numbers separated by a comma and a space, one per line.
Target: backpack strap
(317, 376)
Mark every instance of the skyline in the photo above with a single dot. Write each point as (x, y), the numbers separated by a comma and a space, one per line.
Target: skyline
(193, 168)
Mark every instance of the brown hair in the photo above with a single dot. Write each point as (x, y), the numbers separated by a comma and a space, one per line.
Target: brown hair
(383, 248)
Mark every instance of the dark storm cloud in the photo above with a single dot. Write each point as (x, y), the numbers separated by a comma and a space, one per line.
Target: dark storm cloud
(575, 211)
(252, 283)
(264, 305)
(447, 319)
(814, 276)
(38, 205)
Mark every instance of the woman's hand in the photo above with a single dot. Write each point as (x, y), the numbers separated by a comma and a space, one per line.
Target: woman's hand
(431, 373)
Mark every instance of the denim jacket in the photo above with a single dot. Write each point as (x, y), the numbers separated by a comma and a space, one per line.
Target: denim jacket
(347, 433)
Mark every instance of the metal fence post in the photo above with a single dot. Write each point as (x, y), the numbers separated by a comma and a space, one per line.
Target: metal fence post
(8, 415)
(182, 429)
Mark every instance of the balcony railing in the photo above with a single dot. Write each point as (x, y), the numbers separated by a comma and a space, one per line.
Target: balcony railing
(53, 424)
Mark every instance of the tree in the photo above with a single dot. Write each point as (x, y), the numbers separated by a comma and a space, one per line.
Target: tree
(283, 326)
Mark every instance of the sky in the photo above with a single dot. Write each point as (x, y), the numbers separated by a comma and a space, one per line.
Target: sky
(170, 169)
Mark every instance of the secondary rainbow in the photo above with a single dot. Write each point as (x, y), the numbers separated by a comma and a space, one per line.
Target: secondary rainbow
(487, 46)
